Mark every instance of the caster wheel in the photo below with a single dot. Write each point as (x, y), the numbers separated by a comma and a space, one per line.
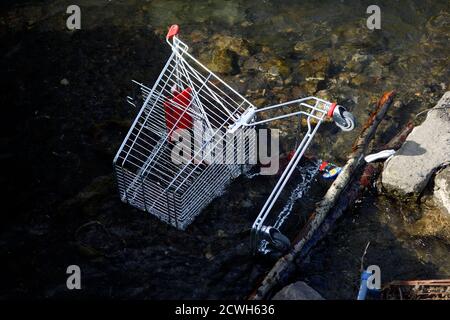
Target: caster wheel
(344, 119)
(279, 241)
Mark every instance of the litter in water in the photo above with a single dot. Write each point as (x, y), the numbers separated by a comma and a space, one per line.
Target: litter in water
(385, 154)
(187, 92)
(330, 170)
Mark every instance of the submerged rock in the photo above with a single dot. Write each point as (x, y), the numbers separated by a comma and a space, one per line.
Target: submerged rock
(315, 72)
(315, 69)
(235, 44)
(358, 62)
(298, 291)
(302, 47)
(441, 191)
(353, 36)
(426, 148)
(276, 67)
(222, 61)
(64, 82)
(223, 53)
(437, 30)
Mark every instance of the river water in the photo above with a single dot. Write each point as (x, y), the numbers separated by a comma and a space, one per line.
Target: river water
(65, 95)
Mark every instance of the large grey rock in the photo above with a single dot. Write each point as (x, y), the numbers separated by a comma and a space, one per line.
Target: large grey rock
(298, 291)
(426, 148)
(441, 191)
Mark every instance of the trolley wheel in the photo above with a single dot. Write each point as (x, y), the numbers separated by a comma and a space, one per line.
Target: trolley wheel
(279, 241)
(349, 120)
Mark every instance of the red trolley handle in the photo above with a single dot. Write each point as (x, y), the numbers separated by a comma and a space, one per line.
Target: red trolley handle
(173, 31)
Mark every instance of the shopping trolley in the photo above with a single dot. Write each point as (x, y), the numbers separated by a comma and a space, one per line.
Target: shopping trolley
(188, 97)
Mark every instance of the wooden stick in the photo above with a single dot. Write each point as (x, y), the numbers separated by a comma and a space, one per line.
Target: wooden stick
(281, 271)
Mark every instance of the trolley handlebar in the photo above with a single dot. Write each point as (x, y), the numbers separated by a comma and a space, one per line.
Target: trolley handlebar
(318, 110)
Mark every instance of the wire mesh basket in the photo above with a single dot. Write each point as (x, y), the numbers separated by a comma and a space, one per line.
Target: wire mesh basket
(187, 95)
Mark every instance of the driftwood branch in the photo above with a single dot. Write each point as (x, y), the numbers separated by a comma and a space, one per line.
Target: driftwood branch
(282, 270)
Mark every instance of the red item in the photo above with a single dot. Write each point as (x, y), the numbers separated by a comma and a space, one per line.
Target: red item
(177, 116)
(323, 165)
(290, 154)
(173, 31)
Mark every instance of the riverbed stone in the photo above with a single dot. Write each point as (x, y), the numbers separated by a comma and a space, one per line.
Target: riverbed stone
(441, 192)
(302, 47)
(222, 61)
(316, 68)
(358, 62)
(275, 67)
(297, 291)
(426, 148)
(315, 72)
(235, 44)
(353, 36)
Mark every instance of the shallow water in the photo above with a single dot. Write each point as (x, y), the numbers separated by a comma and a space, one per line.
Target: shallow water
(276, 52)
